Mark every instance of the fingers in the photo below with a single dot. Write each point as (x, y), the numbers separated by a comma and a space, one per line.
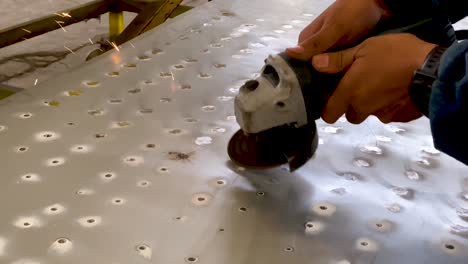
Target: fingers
(316, 43)
(339, 101)
(334, 62)
(354, 117)
(311, 29)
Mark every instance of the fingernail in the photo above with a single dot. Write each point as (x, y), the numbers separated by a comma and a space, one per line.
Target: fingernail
(320, 61)
(297, 49)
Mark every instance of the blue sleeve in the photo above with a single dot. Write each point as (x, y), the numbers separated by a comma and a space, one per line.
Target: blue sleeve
(448, 111)
(454, 10)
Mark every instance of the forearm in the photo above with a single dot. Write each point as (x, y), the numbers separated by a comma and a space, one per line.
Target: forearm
(448, 109)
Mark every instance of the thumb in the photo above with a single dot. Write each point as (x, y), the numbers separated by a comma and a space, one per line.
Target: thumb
(334, 62)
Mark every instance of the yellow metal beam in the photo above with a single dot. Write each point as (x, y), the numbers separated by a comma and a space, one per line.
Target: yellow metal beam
(116, 24)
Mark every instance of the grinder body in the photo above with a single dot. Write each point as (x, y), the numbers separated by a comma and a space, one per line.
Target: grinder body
(277, 113)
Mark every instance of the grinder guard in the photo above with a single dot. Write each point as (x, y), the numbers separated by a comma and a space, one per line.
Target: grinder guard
(276, 113)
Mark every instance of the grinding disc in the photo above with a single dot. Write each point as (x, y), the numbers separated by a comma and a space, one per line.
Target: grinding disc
(251, 151)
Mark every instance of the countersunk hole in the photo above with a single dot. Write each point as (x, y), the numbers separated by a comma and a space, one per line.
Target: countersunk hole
(70, 123)
(28, 176)
(156, 51)
(143, 183)
(163, 169)
(322, 207)
(175, 131)
(143, 57)
(289, 249)
(192, 259)
(280, 104)
(134, 91)
(220, 182)
(92, 83)
(113, 74)
(61, 241)
(201, 199)
(55, 161)
(53, 209)
(26, 224)
(142, 248)
(99, 135)
(309, 225)
(260, 193)
(185, 87)
(22, 149)
(449, 246)
(91, 221)
(150, 145)
(221, 230)
(243, 209)
(379, 225)
(365, 244)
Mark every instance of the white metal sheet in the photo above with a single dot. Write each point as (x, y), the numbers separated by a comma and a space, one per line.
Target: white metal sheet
(124, 161)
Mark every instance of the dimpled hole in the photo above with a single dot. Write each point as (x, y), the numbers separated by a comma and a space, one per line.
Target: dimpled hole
(201, 199)
(25, 115)
(289, 249)
(22, 149)
(185, 87)
(204, 75)
(130, 65)
(191, 259)
(208, 108)
(449, 246)
(113, 74)
(143, 57)
(156, 51)
(91, 83)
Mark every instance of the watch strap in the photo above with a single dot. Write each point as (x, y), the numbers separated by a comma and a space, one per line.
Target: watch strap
(421, 88)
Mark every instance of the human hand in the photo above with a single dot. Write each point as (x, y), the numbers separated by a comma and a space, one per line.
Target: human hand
(343, 23)
(378, 73)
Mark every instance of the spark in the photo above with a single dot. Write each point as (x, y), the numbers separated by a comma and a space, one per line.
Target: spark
(69, 49)
(26, 30)
(59, 23)
(35, 82)
(115, 46)
(63, 14)
(172, 75)
(91, 41)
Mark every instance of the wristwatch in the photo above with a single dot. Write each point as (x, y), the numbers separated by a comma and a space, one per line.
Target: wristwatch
(421, 87)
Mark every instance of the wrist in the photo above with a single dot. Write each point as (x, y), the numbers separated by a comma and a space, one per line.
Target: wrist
(420, 90)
